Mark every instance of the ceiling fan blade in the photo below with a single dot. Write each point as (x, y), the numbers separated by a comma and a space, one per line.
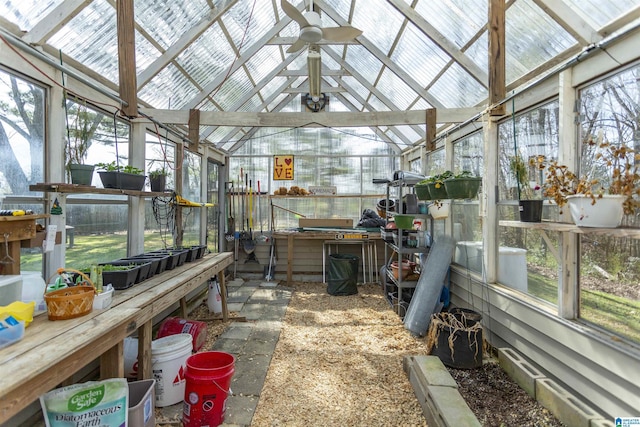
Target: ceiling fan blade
(340, 34)
(299, 44)
(293, 13)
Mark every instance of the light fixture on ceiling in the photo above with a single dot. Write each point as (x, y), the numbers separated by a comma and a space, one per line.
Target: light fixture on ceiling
(314, 64)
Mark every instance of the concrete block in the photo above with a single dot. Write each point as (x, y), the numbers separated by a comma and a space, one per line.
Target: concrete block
(449, 408)
(431, 371)
(566, 407)
(521, 371)
(601, 423)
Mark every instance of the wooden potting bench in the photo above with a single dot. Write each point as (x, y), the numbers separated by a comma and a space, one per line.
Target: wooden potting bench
(51, 351)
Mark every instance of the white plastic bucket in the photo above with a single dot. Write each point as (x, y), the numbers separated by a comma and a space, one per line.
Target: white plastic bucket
(169, 360)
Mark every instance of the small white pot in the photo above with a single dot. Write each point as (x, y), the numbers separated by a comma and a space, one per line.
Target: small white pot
(607, 212)
(440, 210)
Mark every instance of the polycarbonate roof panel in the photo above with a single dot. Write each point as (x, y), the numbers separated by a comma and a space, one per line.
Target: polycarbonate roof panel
(263, 62)
(362, 62)
(91, 39)
(601, 12)
(532, 38)
(379, 21)
(232, 89)
(202, 62)
(423, 67)
(246, 23)
(457, 89)
(167, 21)
(534, 41)
(479, 51)
(169, 89)
(356, 87)
(25, 14)
(458, 20)
(396, 89)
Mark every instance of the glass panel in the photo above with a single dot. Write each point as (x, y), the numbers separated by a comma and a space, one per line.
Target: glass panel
(247, 24)
(468, 154)
(536, 134)
(22, 128)
(526, 263)
(213, 214)
(457, 20)
(191, 181)
(99, 233)
(435, 163)
(379, 21)
(26, 14)
(456, 88)
(160, 155)
(398, 91)
(169, 89)
(609, 272)
(363, 62)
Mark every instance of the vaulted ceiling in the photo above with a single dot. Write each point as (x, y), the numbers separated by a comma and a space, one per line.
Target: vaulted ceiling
(231, 55)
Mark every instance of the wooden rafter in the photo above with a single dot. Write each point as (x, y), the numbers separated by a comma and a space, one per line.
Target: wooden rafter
(497, 55)
(127, 57)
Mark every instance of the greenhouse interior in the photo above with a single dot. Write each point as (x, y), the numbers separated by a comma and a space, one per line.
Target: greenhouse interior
(294, 143)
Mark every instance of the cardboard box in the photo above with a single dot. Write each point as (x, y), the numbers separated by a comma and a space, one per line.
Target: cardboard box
(36, 242)
(326, 222)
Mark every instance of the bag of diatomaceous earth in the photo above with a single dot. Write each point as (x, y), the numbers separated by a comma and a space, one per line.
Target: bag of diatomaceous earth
(94, 403)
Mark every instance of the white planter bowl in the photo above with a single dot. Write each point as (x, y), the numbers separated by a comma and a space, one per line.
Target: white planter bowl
(607, 212)
(440, 210)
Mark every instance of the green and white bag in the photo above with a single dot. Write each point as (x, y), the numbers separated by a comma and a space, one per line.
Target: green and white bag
(94, 403)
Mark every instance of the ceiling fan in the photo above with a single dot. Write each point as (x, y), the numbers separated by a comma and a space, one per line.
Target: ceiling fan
(311, 30)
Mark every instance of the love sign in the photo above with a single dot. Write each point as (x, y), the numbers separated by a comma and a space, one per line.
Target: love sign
(283, 167)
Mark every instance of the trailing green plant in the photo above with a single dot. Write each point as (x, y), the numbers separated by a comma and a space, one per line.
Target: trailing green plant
(527, 190)
(158, 172)
(438, 179)
(112, 167)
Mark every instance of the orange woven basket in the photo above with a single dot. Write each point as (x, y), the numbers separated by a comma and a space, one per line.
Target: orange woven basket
(71, 302)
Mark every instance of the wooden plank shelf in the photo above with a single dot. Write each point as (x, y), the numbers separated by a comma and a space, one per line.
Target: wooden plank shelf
(89, 189)
(633, 233)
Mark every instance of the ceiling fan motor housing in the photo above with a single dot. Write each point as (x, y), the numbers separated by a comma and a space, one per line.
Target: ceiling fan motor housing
(311, 34)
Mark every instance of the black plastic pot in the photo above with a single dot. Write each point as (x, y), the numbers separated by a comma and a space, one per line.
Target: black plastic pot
(158, 183)
(122, 180)
(457, 347)
(158, 264)
(530, 210)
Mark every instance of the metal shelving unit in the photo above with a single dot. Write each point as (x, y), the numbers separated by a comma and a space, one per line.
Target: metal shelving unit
(398, 251)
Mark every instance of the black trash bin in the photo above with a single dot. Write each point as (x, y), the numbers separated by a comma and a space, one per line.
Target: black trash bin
(343, 274)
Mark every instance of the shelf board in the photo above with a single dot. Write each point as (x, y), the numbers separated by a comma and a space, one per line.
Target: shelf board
(23, 217)
(633, 233)
(89, 189)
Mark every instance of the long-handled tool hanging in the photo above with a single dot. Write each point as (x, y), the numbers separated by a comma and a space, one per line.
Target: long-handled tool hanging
(249, 244)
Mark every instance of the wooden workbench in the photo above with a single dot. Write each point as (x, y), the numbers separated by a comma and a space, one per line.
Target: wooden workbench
(52, 351)
(292, 237)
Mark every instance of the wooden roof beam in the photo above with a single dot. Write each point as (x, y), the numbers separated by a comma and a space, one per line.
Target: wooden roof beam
(497, 56)
(54, 21)
(127, 57)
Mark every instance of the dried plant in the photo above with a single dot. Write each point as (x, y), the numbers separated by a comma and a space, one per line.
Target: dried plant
(615, 170)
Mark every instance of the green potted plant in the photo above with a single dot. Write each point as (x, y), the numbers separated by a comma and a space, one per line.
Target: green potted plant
(529, 191)
(602, 195)
(463, 185)
(158, 179)
(79, 134)
(125, 177)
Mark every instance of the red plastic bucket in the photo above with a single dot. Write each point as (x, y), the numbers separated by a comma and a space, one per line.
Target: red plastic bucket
(176, 325)
(208, 377)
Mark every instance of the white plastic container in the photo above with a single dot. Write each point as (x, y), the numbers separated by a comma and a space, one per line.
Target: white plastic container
(33, 289)
(169, 360)
(440, 210)
(131, 357)
(10, 289)
(104, 298)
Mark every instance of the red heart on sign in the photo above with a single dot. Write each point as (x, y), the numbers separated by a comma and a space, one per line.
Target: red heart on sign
(287, 161)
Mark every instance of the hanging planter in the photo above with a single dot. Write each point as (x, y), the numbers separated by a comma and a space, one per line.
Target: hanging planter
(422, 192)
(462, 188)
(607, 212)
(530, 210)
